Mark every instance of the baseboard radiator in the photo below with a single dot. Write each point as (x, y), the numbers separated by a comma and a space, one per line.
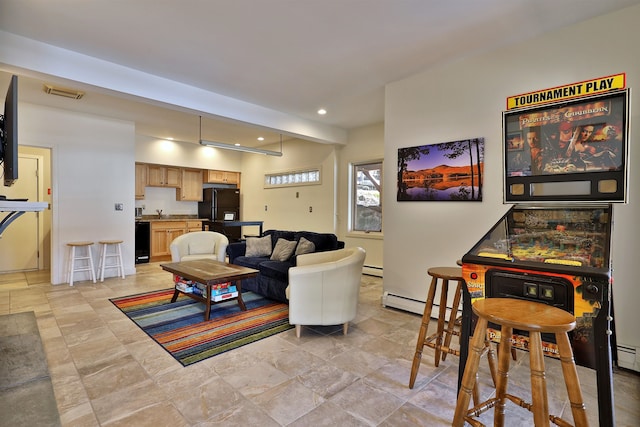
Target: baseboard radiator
(371, 270)
(628, 357)
(413, 306)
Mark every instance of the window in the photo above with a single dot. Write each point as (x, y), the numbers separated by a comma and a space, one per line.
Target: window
(366, 197)
(292, 178)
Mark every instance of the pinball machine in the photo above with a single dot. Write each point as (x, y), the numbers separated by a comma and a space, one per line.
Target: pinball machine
(560, 256)
(564, 168)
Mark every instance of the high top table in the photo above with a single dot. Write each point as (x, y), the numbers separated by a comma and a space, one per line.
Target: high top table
(209, 272)
(16, 209)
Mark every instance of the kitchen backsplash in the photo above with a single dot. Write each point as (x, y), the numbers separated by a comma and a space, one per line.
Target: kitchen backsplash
(156, 198)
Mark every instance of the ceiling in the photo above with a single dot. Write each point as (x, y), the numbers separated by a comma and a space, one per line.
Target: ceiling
(287, 56)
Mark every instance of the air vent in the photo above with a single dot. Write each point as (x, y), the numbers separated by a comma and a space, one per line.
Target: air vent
(61, 91)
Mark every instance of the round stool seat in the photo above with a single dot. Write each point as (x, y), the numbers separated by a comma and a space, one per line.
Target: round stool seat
(520, 314)
(448, 273)
(110, 242)
(76, 244)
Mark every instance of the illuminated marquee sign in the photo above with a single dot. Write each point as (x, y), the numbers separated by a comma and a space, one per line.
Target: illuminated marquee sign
(574, 90)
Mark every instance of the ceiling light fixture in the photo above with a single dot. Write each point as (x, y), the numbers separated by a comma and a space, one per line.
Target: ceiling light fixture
(238, 147)
(322, 111)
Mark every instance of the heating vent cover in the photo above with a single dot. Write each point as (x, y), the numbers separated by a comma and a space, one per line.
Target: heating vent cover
(61, 91)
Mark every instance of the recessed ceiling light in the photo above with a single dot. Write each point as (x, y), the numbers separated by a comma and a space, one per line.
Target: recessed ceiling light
(236, 144)
(170, 139)
(260, 138)
(322, 111)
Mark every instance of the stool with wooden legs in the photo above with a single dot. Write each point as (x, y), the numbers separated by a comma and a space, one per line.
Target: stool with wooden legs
(536, 318)
(86, 260)
(441, 339)
(115, 256)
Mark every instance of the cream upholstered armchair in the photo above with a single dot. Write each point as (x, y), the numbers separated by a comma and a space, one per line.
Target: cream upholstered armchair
(199, 245)
(323, 288)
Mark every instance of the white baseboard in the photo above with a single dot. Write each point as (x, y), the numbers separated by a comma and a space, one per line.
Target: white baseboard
(371, 270)
(628, 357)
(413, 306)
(402, 303)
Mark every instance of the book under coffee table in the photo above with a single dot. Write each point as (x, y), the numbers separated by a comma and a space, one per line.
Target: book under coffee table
(209, 273)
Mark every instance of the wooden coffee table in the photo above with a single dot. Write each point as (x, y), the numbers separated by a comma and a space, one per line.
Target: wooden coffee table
(209, 272)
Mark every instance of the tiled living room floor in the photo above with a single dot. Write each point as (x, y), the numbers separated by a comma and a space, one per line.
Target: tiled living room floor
(107, 372)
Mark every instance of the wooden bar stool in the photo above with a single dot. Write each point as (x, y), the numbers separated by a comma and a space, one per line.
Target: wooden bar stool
(115, 256)
(441, 339)
(536, 318)
(86, 259)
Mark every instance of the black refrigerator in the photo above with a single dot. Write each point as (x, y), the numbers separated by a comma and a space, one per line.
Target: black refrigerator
(220, 204)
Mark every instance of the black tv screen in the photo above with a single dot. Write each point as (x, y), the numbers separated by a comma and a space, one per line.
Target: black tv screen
(569, 151)
(9, 150)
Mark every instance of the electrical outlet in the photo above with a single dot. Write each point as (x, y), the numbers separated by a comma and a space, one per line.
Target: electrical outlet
(310, 209)
(119, 206)
(265, 208)
(297, 194)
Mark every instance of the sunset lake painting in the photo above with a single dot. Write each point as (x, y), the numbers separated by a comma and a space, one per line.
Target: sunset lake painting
(449, 171)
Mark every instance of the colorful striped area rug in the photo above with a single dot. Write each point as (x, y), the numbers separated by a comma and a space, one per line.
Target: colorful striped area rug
(180, 329)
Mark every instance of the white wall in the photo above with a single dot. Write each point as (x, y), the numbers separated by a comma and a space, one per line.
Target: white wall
(285, 211)
(92, 170)
(465, 99)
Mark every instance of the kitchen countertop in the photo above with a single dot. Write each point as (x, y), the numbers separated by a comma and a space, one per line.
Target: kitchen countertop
(152, 218)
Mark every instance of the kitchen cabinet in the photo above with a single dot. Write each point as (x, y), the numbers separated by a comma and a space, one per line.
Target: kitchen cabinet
(163, 176)
(142, 179)
(194, 226)
(221, 177)
(164, 232)
(191, 186)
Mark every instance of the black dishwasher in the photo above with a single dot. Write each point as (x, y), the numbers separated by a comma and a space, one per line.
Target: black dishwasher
(143, 241)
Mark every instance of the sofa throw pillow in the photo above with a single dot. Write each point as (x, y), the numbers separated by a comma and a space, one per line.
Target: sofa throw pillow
(258, 246)
(204, 246)
(283, 250)
(305, 247)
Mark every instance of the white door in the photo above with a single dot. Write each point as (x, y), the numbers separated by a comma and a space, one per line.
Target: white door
(19, 243)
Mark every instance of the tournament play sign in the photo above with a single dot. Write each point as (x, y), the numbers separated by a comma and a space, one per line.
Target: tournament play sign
(574, 90)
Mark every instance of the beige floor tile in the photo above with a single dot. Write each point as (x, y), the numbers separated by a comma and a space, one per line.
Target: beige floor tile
(107, 372)
(277, 401)
(366, 402)
(328, 414)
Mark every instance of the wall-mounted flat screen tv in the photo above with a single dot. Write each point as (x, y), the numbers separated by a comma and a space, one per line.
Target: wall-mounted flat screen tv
(9, 134)
(570, 151)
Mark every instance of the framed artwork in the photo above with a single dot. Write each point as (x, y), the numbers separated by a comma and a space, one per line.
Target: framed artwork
(449, 171)
(571, 151)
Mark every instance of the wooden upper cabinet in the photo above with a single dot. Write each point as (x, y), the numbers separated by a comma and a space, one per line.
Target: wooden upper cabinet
(142, 180)
(221, 177)
(191, 188)
(164, 176)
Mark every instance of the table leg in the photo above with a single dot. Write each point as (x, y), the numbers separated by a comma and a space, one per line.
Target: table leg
(207, 310)
(175, 295)
(238, 284)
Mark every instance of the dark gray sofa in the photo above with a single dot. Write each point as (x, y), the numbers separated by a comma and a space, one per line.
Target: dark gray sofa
(273, 279)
